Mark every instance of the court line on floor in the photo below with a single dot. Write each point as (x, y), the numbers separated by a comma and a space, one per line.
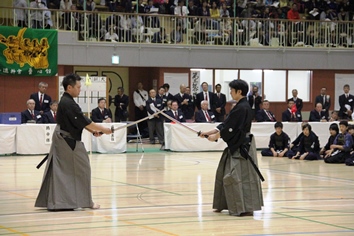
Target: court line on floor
(314, 221)
(13, 230)
(134, 224)
(139, 186)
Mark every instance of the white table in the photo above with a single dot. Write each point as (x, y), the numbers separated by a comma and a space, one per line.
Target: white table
(7, 139)
(36, 139)
(178, 138)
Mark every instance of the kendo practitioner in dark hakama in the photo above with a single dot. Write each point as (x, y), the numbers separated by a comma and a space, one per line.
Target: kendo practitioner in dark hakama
(67, 177)
(237, 185)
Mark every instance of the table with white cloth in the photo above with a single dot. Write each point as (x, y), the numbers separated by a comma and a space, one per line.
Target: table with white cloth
(7, 139)
(37, 138)
(178, 138)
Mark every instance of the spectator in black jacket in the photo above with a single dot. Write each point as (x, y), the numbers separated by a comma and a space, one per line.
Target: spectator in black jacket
(101, 114)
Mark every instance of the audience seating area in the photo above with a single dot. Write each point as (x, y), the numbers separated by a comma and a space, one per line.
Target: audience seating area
(254, 28)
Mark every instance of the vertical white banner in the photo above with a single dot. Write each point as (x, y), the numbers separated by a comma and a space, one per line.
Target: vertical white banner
(48, 134)
(195, 82)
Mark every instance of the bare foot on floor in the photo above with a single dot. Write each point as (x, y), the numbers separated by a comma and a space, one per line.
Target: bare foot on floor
(95, 206)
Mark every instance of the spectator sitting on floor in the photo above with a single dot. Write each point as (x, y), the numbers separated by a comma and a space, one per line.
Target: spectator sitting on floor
(278, 143)
(342, 145)
(309, 145)
(334, 131)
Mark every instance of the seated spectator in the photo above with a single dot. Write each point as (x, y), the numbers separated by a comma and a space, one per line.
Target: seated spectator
(111, 34)
(90, 5)
(334, 116)
(30, 115)
(101, 114)
(349, 161)
(278, 143)
(203, 115)
(224, 12)
(291, 114)
(341, 147)
(50, 117)
(309, 145)
(293, 13)
(294, 146)
(317, 114)
(160, 36)
(264, 114)
(177, 35)
(182, 11)
(333, 131)
(175, 112)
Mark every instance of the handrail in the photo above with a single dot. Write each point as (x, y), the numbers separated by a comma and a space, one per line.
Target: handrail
(188, 31)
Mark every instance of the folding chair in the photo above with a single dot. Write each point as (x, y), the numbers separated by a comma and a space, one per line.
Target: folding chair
(136, 136)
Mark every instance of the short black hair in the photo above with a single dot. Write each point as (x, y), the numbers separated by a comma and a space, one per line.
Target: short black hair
(173, 101)
(334, 126)
(307, 126)
(350, 127)
(161, 87)
(218, 85)
(278, 124)
(346, 85)
(70, 79)
(53, 102)
(166, 85)
(100, 99)
(239, 84)
(121, 88)
(344, 122)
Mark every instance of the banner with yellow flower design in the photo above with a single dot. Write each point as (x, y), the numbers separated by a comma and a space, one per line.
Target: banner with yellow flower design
(25, 51)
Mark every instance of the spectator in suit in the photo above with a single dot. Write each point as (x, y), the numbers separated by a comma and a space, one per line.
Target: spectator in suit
(220, 102)
(309, 145)
(101, 114)
(41, 99)
(121, 101)
(255, 100)
(184, 101)
(175, 112)
(346, 102)
(161, 95)
(264, 114)
(296, 100)
(318, 114)
(140, 96)
(204, 115)
(325, 100)
(189, 112)
(168, 95)
(50, 117)
(31, 115)
(291, 114)
(155, 124)
(278, 143)
(341, 147)
(205, 95)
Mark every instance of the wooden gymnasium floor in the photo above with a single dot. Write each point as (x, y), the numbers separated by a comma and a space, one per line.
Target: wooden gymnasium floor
(168, 193)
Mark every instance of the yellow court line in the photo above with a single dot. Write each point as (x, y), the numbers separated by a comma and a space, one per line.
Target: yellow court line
(132, 223)
(13, 231)
(18, 194)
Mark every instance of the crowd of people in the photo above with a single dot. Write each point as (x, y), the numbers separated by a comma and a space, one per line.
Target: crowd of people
(247, 22)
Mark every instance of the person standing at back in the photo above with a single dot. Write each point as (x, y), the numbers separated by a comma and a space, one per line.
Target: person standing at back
(41, 98)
